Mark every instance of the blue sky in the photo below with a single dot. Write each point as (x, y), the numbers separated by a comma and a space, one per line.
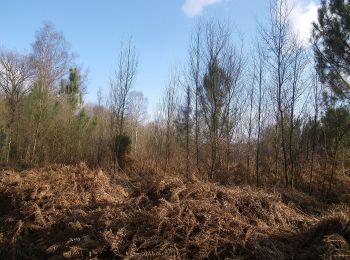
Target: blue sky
(160, 30)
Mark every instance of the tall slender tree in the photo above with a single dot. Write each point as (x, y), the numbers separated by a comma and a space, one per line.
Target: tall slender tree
(121, 84)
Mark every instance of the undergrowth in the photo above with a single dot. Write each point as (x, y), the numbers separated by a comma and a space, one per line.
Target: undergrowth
(74, 212)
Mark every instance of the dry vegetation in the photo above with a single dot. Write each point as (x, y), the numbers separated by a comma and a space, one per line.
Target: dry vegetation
(246, 157)
(74, 212)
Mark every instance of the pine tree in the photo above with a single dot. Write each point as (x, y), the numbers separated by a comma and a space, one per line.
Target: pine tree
(73, 89)
(213, 94)
(332, 46)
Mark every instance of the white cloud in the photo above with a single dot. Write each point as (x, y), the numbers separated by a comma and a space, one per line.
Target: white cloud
(195, 7)
(302, 18)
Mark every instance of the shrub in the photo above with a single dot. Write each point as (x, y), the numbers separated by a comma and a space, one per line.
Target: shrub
(123, 148)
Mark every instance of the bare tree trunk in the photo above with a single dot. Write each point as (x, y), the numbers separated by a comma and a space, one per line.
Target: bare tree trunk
(257, 157)
(228, 142)
(9, 147)
(36, 133)
(260, 82)
(297, 72)
(284, 151)
(333, 167)
(36, 136)
(188, 150)
(195, 74)
(250, 127)
(197, 131)
(291, 132)
(276, 154)
(169, 104)
(187, 122)
(213, 158)
(314, 127)
(167, 143)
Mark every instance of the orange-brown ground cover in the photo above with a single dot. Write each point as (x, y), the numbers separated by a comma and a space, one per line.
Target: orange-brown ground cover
(60, 212)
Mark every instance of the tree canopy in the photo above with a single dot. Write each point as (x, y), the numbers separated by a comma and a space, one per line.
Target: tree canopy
(331, 38)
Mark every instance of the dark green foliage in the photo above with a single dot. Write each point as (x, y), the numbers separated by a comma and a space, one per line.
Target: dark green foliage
(335, 129)
(95, 121)
(37, 102)
(184, 122)
(3, 138)
(215, 90)
(73, 89)
(122, 149)
(213, 96)
(332, 46)
(83, 118)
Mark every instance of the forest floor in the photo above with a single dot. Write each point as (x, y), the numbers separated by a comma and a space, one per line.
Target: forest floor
(60, 212)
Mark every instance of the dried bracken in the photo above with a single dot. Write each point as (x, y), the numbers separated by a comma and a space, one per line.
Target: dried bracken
(75, 212)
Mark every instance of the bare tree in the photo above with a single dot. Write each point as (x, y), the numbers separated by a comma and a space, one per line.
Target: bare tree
(169, 106)
(250, 123)
(259, 69)
(234, 65)
(137, 112)
(194, 80)
(51, 59)
(183, 124)
(316, 101)
(51, 56)
(188, 127)
(99, 113)
(279, 44)
(15, 82)
(120, 86)
(299, 82)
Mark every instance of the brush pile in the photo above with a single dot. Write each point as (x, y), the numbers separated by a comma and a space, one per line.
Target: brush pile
(74, 212)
